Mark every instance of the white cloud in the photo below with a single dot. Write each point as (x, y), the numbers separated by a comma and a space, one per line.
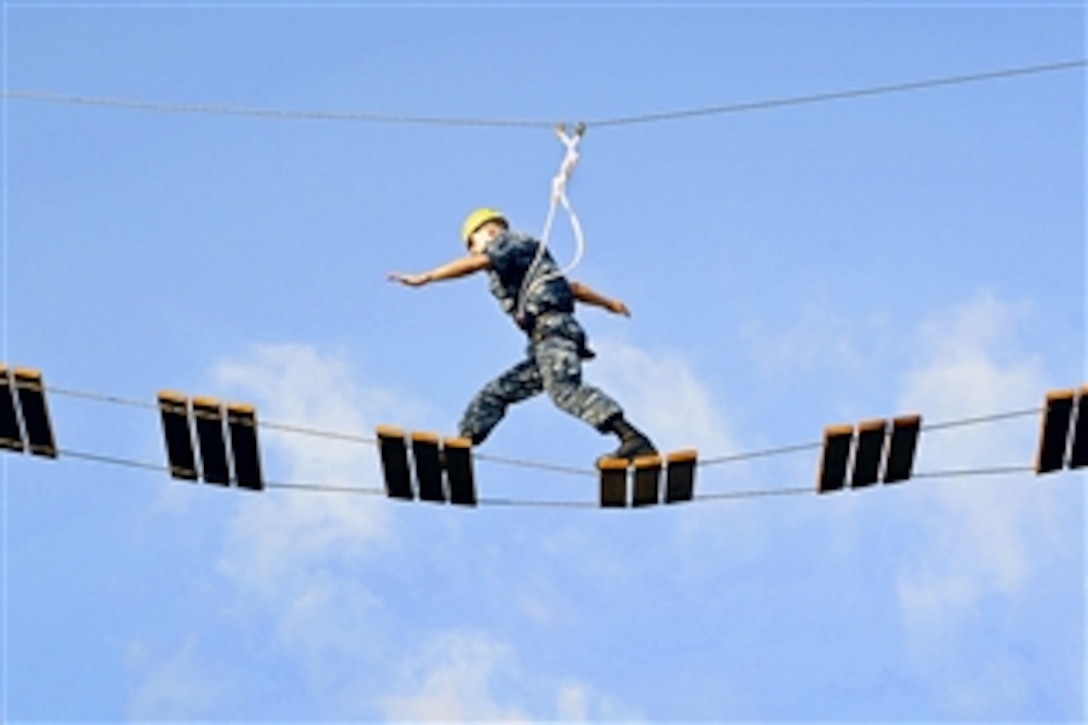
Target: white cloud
(662, 393)
(288, 551)
(979, 539)
(471, 676)
(451, 678)
(278, 538)
(817, 339)
(974, 539)
(174, 687)
(576, 702)
(300, 558)
(285, 551)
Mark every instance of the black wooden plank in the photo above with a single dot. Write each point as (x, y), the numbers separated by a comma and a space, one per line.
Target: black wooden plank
(11, 433)
(838, 441)
(901, 449)
(214, 463)
(458, 452)
(1079, 456)
(647, 481)
(394, 457)
(242, 427)
(613, 482)
(177, 434)
(1054, 437)
(428, 467)
(872, 435)
(31, 393)
(680, 476)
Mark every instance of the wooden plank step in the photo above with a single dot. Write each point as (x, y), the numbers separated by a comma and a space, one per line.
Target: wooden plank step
(428, 466)
(30, 390)
(647, 481)
(458, 457)
(11, 433)
(834, 466)
(177, 434)
(394, 457)
(680, 475)
(214, 460)
(902, 448)
(1054, 435)
(613, 482)
(242, 429)
(872, 436)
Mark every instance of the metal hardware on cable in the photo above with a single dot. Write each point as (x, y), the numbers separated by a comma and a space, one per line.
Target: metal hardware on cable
(570, 141)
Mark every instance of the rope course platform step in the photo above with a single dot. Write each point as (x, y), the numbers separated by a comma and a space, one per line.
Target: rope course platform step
(208, 440)
(646, 488)
(225, 435)
(873, 451)
(442, 466)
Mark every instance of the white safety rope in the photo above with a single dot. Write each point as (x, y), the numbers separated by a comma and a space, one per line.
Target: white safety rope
(558, 198)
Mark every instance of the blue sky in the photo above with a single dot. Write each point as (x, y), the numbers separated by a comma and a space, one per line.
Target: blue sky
(787, 269)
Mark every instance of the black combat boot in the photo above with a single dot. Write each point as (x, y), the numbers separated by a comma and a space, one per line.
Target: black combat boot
(633, 442)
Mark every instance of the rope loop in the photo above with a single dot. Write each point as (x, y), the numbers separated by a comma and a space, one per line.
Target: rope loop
(558, 198)
(570, 160)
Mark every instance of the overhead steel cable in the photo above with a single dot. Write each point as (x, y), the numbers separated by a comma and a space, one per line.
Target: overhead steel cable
(843, 95)
(604, 122)
(282, 114)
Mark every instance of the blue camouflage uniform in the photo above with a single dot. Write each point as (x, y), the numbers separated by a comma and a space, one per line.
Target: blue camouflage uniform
(557, 343)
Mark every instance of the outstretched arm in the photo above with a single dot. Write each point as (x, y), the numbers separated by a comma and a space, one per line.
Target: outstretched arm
(582, 293)
(460, 267)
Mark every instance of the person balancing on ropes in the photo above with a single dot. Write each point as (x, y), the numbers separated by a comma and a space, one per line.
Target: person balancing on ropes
(529, 286)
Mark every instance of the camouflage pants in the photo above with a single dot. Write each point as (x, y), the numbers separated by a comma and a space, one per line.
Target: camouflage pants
(554, 365)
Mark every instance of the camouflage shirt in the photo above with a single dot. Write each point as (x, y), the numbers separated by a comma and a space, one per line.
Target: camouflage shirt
(511, 256)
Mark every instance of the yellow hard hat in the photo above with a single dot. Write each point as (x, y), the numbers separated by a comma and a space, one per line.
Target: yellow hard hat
(477, 219)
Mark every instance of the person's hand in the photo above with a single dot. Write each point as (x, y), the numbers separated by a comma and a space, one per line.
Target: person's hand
(617, 307)
(411, 280)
